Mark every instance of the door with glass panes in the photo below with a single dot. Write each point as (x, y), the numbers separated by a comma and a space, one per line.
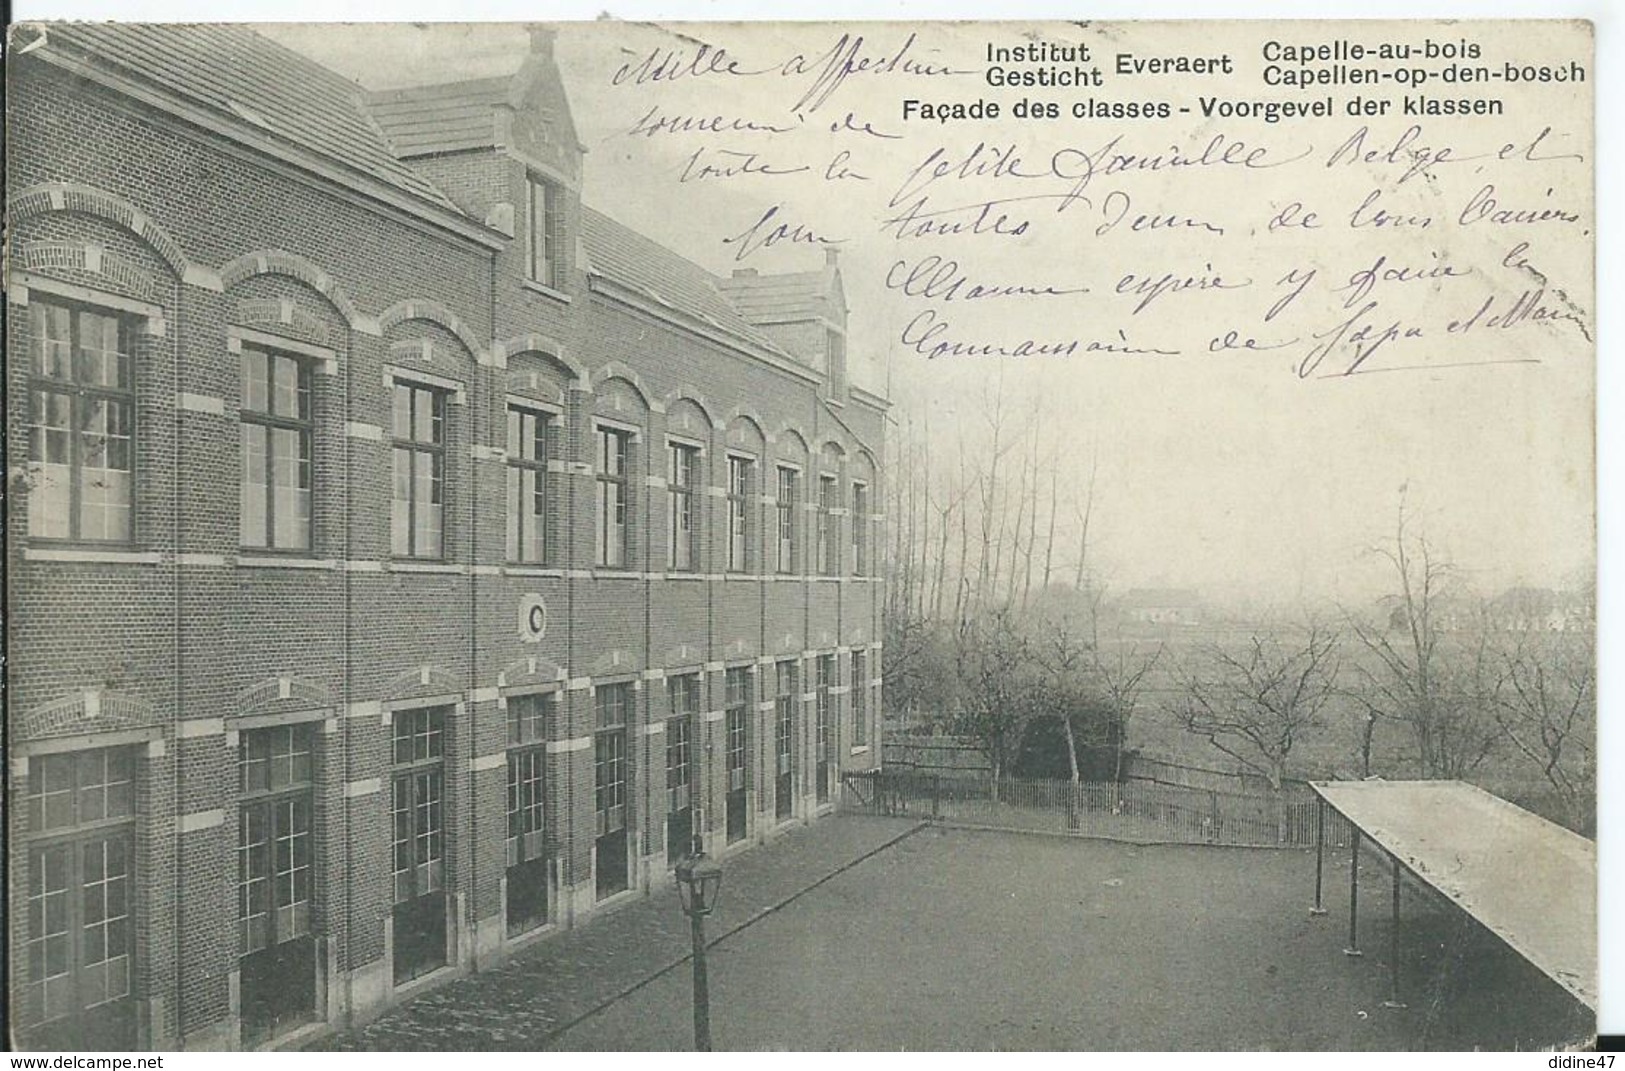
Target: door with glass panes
(737, 726)
(685, 700)
(79, 955)
(784, 741)
(275, 879)
(611, 848)
(529, 860)
(418, 790)
(826, 718)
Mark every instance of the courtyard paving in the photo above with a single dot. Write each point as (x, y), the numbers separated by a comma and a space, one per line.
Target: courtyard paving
(963, 940)
(561, 977)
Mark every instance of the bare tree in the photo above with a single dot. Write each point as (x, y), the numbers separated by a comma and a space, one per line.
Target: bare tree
(1065, 662)
(1255, 703)
(1409, 678)
(994, 664)
(1544, 697)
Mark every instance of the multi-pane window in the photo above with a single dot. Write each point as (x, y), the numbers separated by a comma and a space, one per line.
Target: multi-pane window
(80, 788)
(614, 482)
(829, 500)
(685, 705)
(527, 485)
(784, 737)
(419, 789)
(274, 842)
(835, 353)
(544, 248)
(860, 529)
(81, 432)
(741, 472)
(860, 700)
(417, 522)
(275, 438)
(609, 756)
(737, 707)
(824, 723)
(682, 472)
(787, 502)
(736, 742)
(528, 717)
(80, 943)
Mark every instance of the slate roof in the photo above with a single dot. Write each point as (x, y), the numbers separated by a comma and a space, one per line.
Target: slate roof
(423, 120)
(616, 251)
(239, 73)
(779, 298)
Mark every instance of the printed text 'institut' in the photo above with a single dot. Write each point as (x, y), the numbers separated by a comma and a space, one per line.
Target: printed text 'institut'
(405, 560)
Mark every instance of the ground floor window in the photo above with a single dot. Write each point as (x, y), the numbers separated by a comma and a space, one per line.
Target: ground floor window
(80, 947)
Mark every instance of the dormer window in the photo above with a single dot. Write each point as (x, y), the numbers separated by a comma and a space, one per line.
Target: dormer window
(544, 249)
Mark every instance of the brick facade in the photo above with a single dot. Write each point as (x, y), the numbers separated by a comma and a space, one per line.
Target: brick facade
(179, 652)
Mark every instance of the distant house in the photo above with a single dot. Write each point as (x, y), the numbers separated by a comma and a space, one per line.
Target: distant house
(1527, 609)
(1161, 606)
(1520, 609)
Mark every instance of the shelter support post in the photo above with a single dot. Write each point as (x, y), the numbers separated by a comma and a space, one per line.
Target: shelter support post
(1393, 1000)
(1353, 948)
(1320, 854)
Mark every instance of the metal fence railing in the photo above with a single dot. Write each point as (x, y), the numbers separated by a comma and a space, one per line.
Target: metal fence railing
(1130, 810)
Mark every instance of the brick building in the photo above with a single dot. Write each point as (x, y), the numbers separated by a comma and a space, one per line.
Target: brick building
(405, 561)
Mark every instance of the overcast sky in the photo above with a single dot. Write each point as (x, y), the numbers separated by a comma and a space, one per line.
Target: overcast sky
(1224, 472)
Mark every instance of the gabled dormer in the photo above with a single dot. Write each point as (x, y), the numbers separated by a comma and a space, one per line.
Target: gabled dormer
(537, 131)
(804, 312)
(505, 150)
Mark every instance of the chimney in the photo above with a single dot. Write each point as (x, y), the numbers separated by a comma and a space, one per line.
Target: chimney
(831, 255)
(541, 40)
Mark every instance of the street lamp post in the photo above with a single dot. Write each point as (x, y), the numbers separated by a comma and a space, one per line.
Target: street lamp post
(699, 881)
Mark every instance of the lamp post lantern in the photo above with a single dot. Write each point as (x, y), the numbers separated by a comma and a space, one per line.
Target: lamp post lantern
(699, 882)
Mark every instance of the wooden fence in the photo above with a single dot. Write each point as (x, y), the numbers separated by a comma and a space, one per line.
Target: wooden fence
(1131, 810)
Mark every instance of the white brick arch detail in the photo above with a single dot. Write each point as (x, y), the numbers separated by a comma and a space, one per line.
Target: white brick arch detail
(281, 262)
(791, 437)
(745, 418)
(547, 347)
(530, 671)
(422, 680)
(274, 691)
(617, 370)
(46, 197)
(614, 662)
(434, 312)
(694, 398)
(89, 711)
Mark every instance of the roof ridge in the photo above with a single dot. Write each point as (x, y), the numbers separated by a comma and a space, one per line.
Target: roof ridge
(432, 88)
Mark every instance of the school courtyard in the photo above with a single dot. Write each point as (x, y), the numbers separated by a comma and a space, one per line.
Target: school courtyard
(883, 934)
